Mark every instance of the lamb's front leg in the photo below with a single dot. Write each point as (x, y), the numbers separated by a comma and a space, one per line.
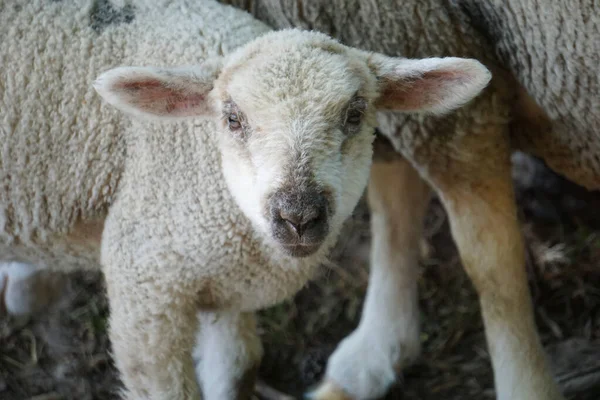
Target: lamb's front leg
(227, 355)
(366, 362)
(152, 326)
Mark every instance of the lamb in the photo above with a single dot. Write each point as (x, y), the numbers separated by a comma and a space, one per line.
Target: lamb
(210, 181)
(544, 99)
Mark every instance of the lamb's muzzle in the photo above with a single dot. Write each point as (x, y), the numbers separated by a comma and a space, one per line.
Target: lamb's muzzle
(300, 220)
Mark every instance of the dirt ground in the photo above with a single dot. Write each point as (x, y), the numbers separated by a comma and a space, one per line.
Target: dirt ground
(64, 352)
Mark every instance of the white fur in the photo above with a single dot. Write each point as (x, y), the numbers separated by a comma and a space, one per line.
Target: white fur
(15, 280)
(227, 346)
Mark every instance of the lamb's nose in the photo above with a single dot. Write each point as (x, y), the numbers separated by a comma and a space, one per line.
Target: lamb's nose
(300, 218)
(300, 222)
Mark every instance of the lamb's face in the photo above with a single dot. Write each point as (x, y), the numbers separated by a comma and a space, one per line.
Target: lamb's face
(296, 126)
(295, 114)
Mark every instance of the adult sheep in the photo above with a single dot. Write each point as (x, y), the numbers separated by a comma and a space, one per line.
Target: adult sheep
(544, 99)
(246, 153)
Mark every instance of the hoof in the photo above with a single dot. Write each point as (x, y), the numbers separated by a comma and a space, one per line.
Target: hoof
(327, 390)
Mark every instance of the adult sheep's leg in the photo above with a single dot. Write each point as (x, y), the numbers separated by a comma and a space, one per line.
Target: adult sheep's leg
(152, 327)
(25, 289)
(227, 355)
(478, 196)
(365, 363)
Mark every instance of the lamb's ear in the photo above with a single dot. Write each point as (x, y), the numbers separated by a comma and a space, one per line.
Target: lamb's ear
(430, 85)
(160, 92)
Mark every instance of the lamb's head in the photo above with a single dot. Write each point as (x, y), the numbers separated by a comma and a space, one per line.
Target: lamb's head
(295, 113)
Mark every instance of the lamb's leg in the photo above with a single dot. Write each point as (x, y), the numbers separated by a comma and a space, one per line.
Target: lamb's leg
(152, 329)
(25, 289)
(483, 219)
(387, 338)
(227, 355)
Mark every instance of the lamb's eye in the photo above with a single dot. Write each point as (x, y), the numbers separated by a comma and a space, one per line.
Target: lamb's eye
(234, 122)
(353, 117)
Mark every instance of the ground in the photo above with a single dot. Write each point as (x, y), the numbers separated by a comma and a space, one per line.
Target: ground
(63, 353)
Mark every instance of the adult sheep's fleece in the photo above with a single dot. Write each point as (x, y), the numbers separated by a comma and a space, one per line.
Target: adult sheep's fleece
(195, 222)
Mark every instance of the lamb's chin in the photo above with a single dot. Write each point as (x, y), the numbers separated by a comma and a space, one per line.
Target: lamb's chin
(300, 251)
(294, 257)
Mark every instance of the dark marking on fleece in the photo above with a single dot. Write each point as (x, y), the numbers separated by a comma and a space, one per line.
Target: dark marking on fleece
(104, 14)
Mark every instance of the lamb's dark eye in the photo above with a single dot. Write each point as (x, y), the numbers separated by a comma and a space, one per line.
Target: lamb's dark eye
(234, 122)
(353, 117)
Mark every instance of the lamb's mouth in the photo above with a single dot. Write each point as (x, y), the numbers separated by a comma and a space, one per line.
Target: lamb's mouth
(301, 250)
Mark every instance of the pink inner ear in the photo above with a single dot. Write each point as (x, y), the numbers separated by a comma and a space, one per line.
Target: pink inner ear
(420, 92)
(138, 85)
(185, 103)
(151, 95)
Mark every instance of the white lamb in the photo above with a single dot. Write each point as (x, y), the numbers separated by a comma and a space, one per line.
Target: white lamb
(196, 223)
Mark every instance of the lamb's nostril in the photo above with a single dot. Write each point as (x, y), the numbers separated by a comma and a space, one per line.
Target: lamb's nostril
(291, 218)
(294, 227)
(299, 223)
